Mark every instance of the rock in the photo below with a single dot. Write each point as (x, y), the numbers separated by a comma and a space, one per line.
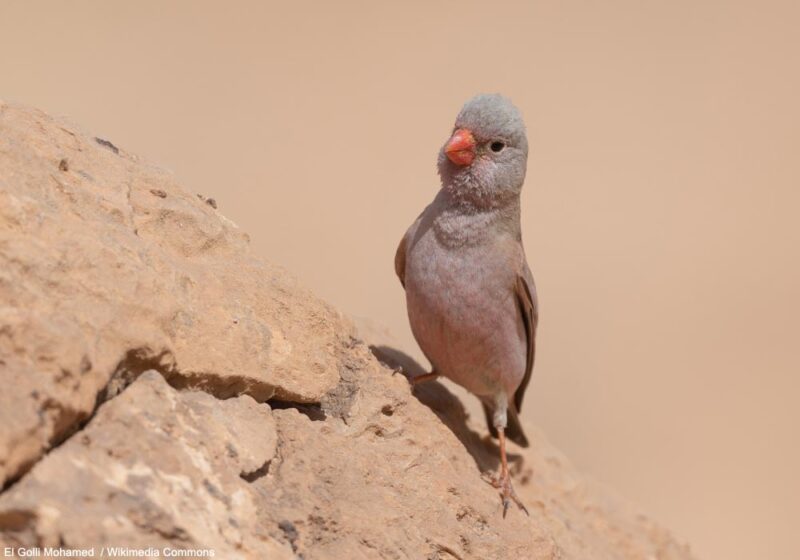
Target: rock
(400, 476)
(155, 468)
(138, 343)
(108, 268)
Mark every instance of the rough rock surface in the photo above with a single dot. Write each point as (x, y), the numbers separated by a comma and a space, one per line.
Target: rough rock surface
(108, 267)
(163, 388)
(155, 468)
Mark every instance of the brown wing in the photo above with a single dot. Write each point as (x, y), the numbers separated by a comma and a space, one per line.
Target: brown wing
(402, 249)
(526, 297)
(400, 261)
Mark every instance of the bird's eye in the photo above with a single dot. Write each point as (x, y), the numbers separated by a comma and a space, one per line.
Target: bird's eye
(497, 146)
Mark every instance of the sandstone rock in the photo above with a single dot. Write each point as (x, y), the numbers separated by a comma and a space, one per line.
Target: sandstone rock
(400, 476)
(155, 468)
(377, 473)
(113, 271)
(108, 267)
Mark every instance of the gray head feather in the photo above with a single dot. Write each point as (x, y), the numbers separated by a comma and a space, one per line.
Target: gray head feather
(495, 176)
(492, 116)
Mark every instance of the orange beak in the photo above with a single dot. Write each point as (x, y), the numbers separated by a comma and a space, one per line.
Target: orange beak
(460, 149)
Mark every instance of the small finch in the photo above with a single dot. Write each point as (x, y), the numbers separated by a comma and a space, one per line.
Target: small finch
(469, 292)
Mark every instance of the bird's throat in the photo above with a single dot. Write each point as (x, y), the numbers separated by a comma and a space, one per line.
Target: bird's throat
(460, 222)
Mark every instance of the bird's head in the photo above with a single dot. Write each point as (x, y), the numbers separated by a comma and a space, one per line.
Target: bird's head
(485, 158)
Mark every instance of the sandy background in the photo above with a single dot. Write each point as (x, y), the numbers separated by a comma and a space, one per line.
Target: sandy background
(660, 212)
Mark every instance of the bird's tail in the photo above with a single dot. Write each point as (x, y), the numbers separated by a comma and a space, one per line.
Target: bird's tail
(514, 430)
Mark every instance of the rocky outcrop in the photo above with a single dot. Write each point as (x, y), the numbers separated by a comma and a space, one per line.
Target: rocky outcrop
(162, 388)
(108, 268)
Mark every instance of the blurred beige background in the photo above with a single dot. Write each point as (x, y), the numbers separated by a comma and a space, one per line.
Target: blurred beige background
(660, 213)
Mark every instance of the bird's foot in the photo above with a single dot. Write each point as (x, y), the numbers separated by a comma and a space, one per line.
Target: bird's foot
(417, 379)
(503, 483)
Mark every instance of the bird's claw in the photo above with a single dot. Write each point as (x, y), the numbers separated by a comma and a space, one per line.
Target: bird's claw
(503, 483)
(489, 479)
(422, 378)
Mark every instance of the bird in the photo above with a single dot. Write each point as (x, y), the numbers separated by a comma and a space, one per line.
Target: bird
(470, 294)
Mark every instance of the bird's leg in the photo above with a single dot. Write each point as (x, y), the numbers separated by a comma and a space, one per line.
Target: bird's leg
(504, 482)
(417, 379)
